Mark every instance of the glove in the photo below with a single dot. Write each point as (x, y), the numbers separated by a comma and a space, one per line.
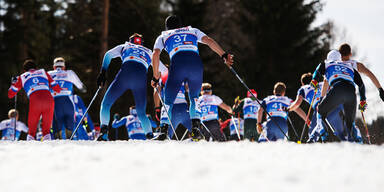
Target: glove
(101, 78)
(116, 116)
(158, 113)
(57, 88)
(381, 91)
(14, 80)
(259, 128)
(314, 84)
(363, 106)
(155, 82)
(228, 58)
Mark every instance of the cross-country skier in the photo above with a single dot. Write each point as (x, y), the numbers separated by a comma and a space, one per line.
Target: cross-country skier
(337, 116)
(306, 93)
(341, 77)
(64, 107)
(133, 125)
(346, 54)
(37, 84)
(181, 44)
(86, 131)
(276, 127)
(179, 111)
(250, 107)
(208, 105)
(133, 75)
(7, 127)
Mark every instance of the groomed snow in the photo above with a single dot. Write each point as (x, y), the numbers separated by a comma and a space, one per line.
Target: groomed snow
(187, 166)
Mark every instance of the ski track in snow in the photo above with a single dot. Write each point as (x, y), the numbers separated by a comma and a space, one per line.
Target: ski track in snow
(189, 166)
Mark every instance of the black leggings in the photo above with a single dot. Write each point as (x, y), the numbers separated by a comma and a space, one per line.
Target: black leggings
(341, 92)
(214, 130)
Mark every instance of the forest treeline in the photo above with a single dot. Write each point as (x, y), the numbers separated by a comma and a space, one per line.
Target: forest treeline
(272, 41)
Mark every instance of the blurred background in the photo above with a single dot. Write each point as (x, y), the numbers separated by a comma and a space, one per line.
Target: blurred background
(272, 41)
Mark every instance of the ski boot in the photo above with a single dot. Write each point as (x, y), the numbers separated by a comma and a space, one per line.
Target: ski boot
(163, 132)
(149, 136)
(103, 133)
(196, 134)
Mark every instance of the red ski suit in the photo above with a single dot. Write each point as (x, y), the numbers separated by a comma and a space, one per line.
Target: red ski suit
(37, 84)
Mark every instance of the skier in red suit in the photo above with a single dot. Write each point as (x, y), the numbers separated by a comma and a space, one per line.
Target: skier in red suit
(36, 83)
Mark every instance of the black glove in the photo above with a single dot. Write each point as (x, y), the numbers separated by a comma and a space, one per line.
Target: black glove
(155, 82)
(381, 91)
(101, 78)
(116, 116)
(13, 80)
(158, 113)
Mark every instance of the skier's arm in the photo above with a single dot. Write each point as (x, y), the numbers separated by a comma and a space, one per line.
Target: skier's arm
(296, 103)
(260, 115)
(76, 81)
(226, 108)
(362, 69)
(155, 63)
(109, 55)
(359, 82)
(159, 45)
(324, 88)
(217, 49)
(15, 87)
(301, 113)
(118, 123)
(53, 84)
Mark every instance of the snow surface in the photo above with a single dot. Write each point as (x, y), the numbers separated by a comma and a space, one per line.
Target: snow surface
(189, 166)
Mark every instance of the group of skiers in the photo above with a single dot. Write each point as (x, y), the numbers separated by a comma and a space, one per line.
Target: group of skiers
(53, 108)
(330, 91)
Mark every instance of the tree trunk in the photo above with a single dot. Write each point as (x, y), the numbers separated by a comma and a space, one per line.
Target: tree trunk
(104, 34)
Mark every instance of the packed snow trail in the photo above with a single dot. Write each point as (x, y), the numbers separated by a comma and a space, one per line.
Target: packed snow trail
(188, 166)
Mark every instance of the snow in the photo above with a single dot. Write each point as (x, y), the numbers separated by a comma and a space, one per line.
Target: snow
(189, 166)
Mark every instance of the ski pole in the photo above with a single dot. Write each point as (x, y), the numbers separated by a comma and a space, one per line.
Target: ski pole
(309, 112)
(185, 133)
(166, 111)
(245, 85)
(85, 113)
(366, 127)
(329, 127)
(294, 130)
(14, 135)
(237, 131)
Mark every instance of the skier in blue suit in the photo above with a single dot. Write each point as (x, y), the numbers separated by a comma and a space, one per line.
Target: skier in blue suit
(181, 44)
(133, 75)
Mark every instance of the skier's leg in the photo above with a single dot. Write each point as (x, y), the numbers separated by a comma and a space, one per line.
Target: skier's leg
(214, 127)
(47, 104)
(115, 90)
(140, 96)
(172, 86)
(33, 114)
